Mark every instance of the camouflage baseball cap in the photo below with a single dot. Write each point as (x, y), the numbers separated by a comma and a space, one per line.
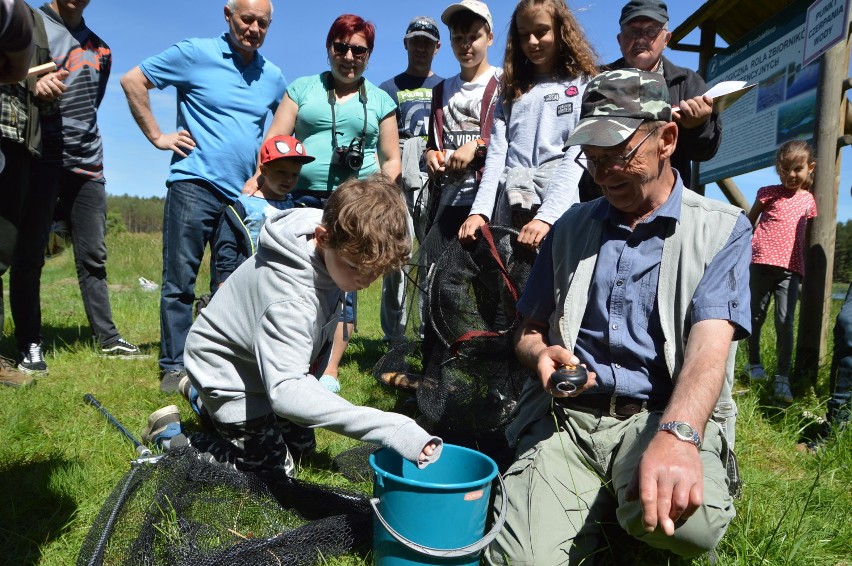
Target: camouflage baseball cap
(616, 103)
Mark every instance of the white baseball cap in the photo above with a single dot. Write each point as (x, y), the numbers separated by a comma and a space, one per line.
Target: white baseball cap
(475, 6)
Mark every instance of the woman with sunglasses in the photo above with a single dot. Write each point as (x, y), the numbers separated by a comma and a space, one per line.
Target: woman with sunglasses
(349, 125)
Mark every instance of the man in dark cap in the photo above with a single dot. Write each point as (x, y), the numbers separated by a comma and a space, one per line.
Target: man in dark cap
(646, 288)
(412, 92)
(644, 34)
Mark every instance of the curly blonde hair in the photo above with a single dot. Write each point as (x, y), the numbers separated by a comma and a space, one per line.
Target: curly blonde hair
(576, 56)
(367, 222)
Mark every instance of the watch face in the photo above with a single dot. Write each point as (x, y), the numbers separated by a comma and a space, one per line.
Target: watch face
(684, 430)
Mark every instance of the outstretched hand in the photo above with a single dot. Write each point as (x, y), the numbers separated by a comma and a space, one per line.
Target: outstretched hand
(180, 142)
(669, 482)
(427, 452)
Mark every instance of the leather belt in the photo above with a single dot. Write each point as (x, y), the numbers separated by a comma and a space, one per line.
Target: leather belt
(612, 405)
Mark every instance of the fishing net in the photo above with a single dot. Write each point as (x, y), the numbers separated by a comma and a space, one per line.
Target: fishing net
(185, 511)
(469, 378)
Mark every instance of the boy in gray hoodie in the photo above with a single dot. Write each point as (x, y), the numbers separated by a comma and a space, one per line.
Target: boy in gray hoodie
(252, 353)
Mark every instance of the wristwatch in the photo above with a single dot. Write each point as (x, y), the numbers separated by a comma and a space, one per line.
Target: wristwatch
(682, 431)
(481, 149)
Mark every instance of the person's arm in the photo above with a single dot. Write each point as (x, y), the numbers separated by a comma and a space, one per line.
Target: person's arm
(562, 192)
(700, 129)
(755, 211)
(485, 202)
(390, 160)
(17, 47)
(283, 124)
(136, 86)
(669, 480)
(534, 352)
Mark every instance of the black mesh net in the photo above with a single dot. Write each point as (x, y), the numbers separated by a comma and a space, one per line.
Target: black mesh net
(469, 378)
(354, 463)
(182, 510)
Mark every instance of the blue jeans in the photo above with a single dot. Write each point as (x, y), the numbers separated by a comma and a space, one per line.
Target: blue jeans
(83, 204)
(766, 281)
(192, 213)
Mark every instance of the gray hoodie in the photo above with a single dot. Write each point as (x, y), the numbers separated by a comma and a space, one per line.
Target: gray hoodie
(248, 353)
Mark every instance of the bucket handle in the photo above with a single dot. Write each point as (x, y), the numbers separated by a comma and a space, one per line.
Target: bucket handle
(449, 552)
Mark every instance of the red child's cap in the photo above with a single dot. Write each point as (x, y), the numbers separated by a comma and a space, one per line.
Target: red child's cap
(284, 147)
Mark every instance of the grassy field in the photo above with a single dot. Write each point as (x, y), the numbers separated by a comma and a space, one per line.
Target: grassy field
(59, 459)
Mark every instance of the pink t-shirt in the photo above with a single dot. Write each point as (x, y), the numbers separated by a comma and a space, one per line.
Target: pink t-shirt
(779, 237)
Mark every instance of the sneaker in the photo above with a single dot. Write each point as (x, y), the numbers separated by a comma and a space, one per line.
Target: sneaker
(170, 380)
(756, 372)
(781, 389)
(189, 393)
(13, 377)
(32, 360)
(121, 349)
(163, 429)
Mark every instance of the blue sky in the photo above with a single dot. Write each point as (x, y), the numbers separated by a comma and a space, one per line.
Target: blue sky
(296, 43)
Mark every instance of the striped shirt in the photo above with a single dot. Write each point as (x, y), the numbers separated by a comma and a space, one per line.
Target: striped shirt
(71, 138)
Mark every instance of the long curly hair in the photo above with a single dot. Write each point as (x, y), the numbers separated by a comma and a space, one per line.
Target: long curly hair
(576, 57)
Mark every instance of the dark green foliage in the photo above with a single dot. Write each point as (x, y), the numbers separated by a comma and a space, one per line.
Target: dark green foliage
(138, 214)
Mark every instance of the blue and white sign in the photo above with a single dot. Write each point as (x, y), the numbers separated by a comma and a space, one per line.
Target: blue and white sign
(780, 108)
(826, 25)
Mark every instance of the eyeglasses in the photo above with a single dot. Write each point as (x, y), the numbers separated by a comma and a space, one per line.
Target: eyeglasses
(341, 48)
(611, 162)
(632, 34)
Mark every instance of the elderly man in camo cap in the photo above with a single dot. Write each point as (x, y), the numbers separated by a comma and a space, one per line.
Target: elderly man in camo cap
(645, 288)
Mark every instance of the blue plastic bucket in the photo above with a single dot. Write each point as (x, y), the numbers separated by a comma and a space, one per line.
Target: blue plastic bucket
(435, 515)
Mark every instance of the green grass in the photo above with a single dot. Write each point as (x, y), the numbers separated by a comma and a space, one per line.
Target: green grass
(59, 458)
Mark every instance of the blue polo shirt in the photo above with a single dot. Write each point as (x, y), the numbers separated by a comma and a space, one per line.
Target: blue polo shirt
(620, 337)
(223, 105)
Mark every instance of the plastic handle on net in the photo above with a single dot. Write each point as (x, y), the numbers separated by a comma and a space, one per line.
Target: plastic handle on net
(472, 548)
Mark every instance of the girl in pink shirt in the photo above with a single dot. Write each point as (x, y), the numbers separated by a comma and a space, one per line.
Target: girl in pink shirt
(778, 257)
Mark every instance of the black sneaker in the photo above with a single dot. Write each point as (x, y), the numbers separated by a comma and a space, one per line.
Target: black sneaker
(121, 349)
(170, 380)
(32, 360)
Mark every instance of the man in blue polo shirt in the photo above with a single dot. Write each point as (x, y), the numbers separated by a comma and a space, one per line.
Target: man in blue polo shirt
(225, 91)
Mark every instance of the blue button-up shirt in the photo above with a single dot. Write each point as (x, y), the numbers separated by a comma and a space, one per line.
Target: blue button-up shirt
(620, 337)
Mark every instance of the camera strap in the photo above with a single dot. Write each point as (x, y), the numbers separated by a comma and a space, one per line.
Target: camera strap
(332, 100)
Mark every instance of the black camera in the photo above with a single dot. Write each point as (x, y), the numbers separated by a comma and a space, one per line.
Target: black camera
(351, 157)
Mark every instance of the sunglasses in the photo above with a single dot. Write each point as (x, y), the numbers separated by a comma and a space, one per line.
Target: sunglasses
(341, 48)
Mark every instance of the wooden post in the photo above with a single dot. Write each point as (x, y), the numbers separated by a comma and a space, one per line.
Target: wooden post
(814, 313)
(708, 50)
(730, 189)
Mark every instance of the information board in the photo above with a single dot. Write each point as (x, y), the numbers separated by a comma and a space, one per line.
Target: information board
(780, 108)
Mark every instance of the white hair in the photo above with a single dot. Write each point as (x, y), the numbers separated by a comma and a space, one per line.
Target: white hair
(232, 6)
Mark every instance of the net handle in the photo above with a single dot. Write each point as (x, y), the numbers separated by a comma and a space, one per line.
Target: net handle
(449, 552)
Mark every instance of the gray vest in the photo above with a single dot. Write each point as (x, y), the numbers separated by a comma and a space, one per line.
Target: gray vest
(690, 245)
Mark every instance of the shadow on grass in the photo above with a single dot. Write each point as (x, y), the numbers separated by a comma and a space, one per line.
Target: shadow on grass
(33, 513)
(65, 338)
